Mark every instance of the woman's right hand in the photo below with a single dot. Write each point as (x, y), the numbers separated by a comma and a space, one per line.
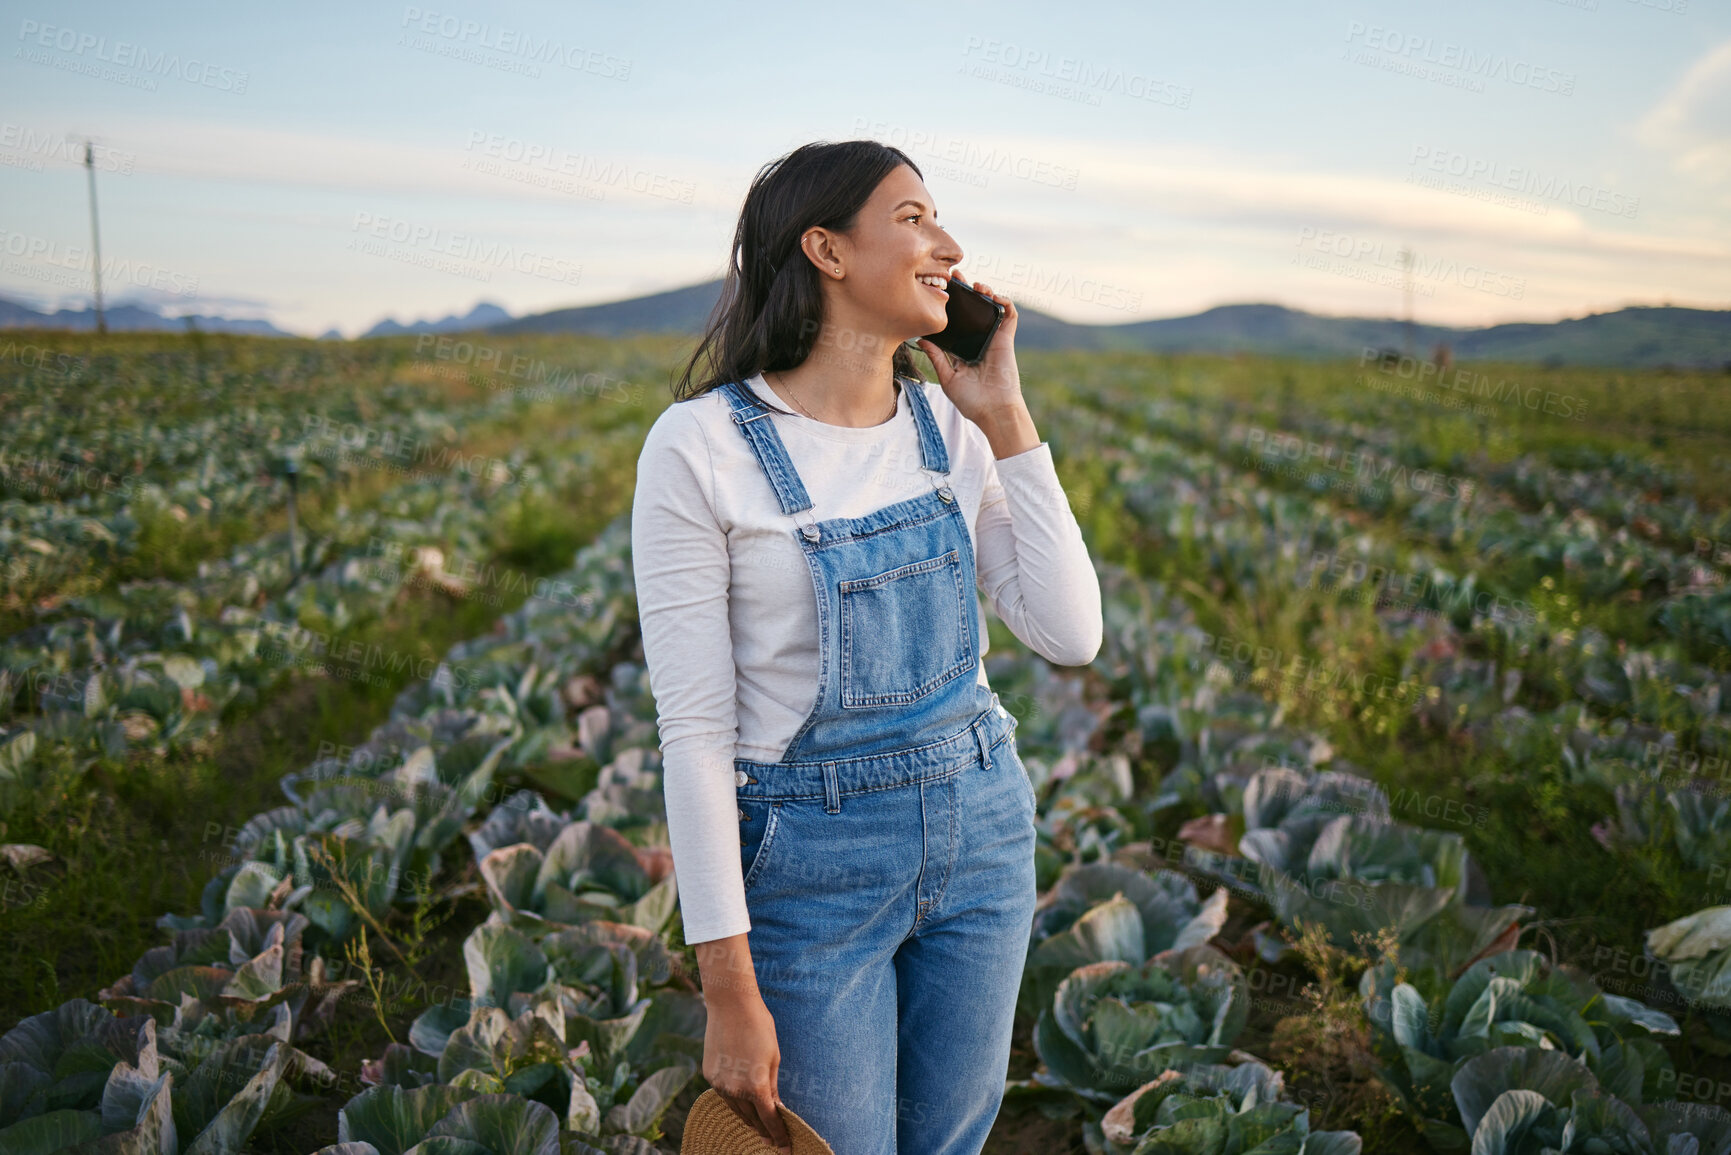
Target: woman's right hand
(741, 1060)
(741, 1057)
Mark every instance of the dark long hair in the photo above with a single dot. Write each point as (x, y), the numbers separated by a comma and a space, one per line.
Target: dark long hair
(771, 306)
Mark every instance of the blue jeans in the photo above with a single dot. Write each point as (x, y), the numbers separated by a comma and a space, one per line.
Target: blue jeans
(888, 856)
(889, 935)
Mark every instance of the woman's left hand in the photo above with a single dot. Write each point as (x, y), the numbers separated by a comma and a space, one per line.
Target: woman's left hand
(991, 390)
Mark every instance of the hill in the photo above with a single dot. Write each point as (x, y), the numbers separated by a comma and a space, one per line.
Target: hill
(481, 316)
(1638, 336)
(130, 318)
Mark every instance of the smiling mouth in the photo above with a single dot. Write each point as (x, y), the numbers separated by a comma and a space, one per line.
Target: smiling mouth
(934, 288)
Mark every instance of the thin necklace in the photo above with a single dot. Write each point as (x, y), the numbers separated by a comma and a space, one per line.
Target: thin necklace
(895, 400)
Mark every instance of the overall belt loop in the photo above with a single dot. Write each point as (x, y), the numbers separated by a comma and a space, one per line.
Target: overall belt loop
(831, 790)
(980, 741)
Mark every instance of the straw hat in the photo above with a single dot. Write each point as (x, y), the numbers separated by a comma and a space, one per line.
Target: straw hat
(712, 1128)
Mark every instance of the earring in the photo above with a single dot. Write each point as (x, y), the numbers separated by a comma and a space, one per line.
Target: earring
(838, 268)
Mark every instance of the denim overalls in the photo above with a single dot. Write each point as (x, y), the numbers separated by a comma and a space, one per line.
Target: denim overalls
(889, 856)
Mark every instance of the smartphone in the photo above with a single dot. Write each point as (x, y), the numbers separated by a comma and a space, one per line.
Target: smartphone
(973, 320)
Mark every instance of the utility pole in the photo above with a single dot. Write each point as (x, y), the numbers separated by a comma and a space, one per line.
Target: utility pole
(1406, 292)
(292, 474)
(95, 239)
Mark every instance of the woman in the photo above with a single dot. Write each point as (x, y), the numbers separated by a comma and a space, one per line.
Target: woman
(806, 578)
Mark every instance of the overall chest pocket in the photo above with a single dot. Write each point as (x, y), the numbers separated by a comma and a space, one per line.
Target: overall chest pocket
(905, 632)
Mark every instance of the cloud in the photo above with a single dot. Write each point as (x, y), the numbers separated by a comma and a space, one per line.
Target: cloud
(1168, 228)
(1200, 186)
(1692, 122)
(477, 161)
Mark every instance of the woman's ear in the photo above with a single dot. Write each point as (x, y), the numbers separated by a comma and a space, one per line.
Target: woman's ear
(819, 244)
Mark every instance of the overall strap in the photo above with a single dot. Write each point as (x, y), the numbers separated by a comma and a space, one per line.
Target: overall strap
(937, 458)
(751, 417)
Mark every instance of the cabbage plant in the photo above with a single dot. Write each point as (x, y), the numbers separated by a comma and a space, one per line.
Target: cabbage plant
(1529, 1101)
(538, 1007)
(1695, 951)
(71, 1077)
(1210, 1109)
(1112, 1026)
(1325, 851)
(1513, 998)
(1104, 911)
(444, 1120)
(1356, 875)
(589, 871)
(482, 1125)
(226, 980)
(60, 1059)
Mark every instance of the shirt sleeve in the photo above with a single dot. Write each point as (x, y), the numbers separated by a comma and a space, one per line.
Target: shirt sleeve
(681, 569)
(1033, 563)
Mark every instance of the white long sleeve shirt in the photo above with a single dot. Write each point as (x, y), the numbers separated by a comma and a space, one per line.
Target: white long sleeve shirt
(729, 615)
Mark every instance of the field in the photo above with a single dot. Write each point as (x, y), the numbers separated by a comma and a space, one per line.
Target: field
(1392, 814)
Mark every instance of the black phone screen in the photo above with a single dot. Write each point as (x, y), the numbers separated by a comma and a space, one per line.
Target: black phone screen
(972, 321)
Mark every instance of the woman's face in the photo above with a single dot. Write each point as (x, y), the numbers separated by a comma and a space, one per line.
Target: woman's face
(895, 240)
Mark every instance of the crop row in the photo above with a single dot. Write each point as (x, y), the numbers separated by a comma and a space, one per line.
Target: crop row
(1470, 516)
(157, 662)
(575, 1027)
(1617, 485)
(1269, 547)
(129, 524)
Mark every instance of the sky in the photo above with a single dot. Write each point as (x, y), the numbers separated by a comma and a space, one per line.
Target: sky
(326, 165)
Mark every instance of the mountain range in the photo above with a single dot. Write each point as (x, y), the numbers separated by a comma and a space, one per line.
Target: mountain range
(1637, 336)
(482, 316)
(130, 318)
